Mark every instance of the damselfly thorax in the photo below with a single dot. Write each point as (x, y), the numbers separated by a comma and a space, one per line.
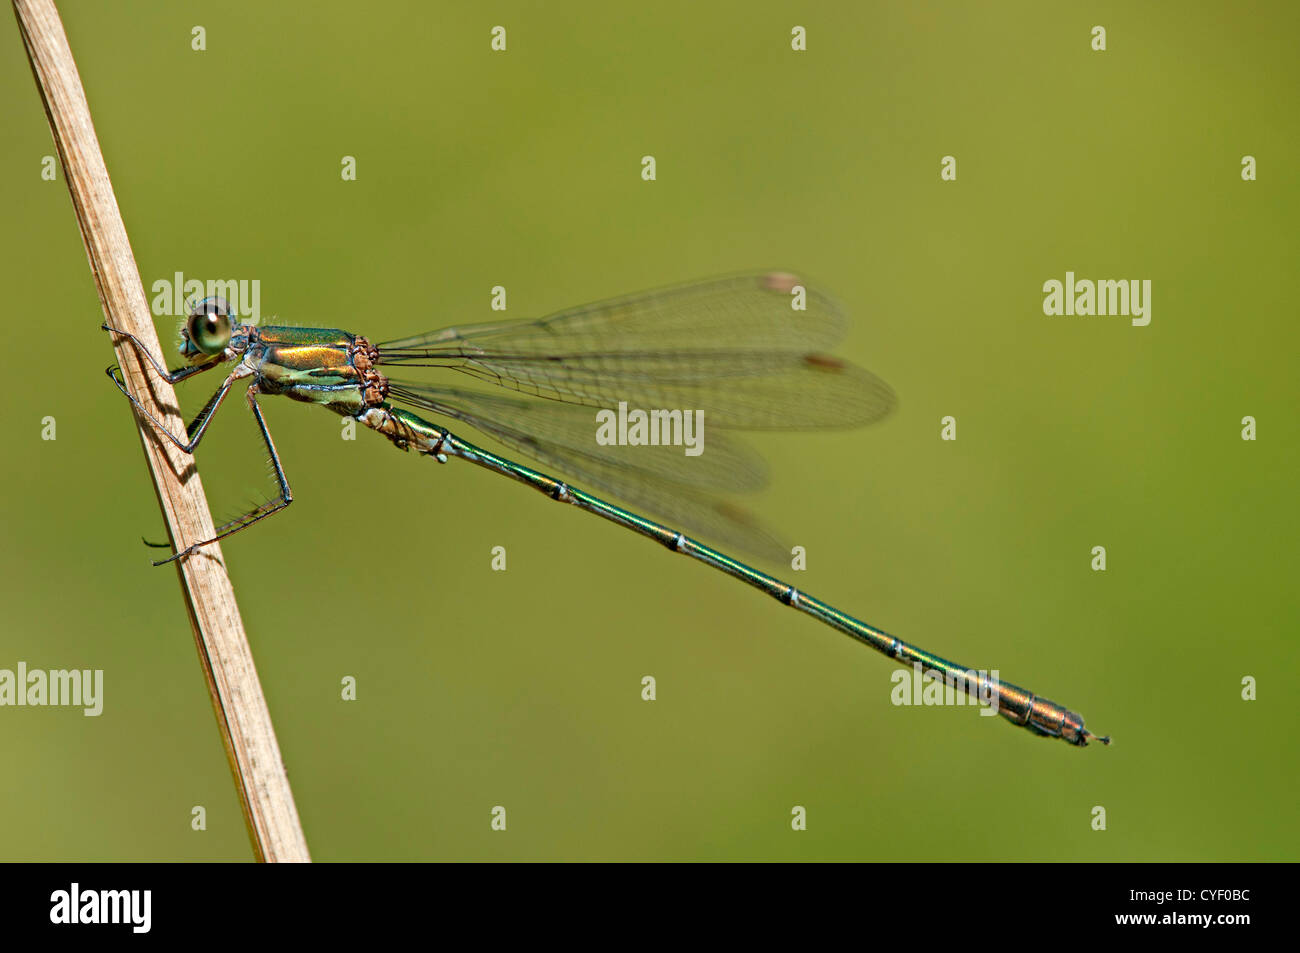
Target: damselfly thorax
(317, 366)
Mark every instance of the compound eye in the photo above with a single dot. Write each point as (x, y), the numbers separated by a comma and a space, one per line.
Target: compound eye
(209, 325)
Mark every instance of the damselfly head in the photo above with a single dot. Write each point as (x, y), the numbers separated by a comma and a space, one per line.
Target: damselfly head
(207, 328)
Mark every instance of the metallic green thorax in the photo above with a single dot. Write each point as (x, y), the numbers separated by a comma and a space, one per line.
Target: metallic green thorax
(322, 366)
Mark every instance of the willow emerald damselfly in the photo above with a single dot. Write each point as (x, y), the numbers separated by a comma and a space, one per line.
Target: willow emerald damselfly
(745, 353)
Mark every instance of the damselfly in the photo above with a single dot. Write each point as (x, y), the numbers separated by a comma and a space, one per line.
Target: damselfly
(746, 352)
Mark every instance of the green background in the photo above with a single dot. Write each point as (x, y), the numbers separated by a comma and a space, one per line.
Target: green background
(522, 688)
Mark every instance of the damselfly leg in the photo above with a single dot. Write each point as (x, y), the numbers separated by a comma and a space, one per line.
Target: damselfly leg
(198, 427)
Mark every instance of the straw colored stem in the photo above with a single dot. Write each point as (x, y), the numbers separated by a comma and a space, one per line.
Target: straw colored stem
(242, 715)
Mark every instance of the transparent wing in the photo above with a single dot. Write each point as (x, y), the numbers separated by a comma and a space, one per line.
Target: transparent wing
(662, 480)
(747, 350)
(725, 463)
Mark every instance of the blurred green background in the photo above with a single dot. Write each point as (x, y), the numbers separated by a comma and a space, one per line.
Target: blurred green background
(522, 688)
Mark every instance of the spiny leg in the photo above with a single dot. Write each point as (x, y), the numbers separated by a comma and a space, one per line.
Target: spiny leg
(197, 426)
(170, 376)
(195, 431)
(261, 512)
